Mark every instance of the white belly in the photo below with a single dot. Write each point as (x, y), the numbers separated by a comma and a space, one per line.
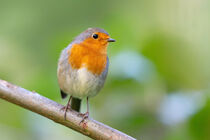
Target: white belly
(85, 84)
(80, 83)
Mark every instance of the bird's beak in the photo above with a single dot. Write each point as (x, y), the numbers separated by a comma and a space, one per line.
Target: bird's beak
(111, 40)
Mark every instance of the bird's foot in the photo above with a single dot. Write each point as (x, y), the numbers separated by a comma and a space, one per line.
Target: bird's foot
(65, 109)
(84, 116)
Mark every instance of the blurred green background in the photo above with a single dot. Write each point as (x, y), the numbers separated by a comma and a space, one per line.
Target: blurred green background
(158, 82)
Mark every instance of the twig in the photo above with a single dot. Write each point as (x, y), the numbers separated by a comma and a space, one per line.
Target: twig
(52, 110)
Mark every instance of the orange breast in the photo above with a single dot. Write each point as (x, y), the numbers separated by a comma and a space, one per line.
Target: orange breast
(88, 54)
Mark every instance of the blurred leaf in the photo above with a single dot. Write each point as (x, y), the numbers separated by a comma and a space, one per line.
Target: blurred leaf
(199, 124)
(176, 61)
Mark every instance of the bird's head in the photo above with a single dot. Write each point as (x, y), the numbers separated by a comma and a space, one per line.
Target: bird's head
(94, 38)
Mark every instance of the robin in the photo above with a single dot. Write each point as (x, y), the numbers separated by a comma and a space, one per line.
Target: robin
(83, 67)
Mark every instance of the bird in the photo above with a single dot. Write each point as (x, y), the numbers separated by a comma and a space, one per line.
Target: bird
(83, 67)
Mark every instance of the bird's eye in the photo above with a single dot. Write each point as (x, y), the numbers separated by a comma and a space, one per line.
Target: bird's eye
(95, 36)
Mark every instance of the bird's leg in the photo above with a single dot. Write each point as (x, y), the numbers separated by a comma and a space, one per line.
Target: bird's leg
(65, 108)
(85, 115)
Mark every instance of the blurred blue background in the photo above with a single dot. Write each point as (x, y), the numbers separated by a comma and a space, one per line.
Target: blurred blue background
(159, 76)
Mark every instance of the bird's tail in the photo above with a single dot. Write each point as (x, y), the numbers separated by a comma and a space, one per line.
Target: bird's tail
(75, 104)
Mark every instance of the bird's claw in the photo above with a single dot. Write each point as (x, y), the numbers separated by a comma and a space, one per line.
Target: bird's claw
(84, 116)
(65, 109)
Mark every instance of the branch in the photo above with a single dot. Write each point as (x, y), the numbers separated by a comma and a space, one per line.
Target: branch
(52, 110)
